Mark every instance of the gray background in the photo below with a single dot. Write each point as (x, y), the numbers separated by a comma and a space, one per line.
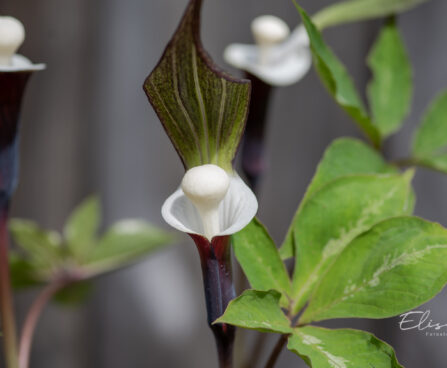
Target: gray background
(87, 128)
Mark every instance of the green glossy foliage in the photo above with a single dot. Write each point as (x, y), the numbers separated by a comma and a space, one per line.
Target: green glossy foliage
(343, 348)
(44, 256)
(430, 140)
(257, 310)
(396, 266)
(338, 82)
(391, 88)
(202, 109)
(357, 10)
(259, 258)
(335, 215)
(345, 156)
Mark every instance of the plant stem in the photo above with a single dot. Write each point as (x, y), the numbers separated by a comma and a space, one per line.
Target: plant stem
(215, 259)
(276, 351)
(32, 318)
(6, 300)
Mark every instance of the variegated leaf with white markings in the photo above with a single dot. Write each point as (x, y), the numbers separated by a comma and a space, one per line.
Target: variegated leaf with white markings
(202, 109)
(345, 156)
(343, 348)
(396, 266)
(334, 215)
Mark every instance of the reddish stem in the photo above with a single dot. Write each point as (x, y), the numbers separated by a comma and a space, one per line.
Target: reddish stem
(32, 318)
(6, 300)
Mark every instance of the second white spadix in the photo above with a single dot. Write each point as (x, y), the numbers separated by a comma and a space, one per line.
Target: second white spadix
(268, 31)
(12, 35)
(206, 187)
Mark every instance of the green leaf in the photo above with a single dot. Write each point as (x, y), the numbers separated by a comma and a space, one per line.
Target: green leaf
(396, 266)
(345, 156)
(343, 348)
(41, 246)
(74, 294)
(357, 10)
(125, 242)
(335, 215)
(22, 272)
(430, 140)
(257, 310)
(82, 225)
(259, 258)
(337, 80)
(202, 109)
(390, 91)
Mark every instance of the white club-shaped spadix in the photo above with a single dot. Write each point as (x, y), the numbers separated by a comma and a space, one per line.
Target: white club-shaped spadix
(12, 35)
(210, 202)
(206, 186)
(268, 31)
(279, 58)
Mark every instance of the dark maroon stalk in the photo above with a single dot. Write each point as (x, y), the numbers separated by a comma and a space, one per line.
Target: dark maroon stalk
(12, 86)
(215, 259)
(253, 161)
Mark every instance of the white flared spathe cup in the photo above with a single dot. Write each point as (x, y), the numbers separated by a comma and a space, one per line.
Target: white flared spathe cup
(286, 64)
(20, 63)
(236, 210)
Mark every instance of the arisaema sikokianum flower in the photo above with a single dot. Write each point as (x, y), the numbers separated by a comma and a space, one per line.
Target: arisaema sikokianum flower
(203, 111)
(280, 57)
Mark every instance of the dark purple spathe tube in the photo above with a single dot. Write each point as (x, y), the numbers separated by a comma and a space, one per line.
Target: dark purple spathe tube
(215, 258)
(12, 87)
(13, 81)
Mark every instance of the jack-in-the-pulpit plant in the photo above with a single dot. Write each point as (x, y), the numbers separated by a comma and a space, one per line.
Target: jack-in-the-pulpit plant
(358, 252)
(356, 249)
(203, 111)
(282, 58)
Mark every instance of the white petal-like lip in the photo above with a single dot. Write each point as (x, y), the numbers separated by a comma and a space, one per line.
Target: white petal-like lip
(290, 62)
(21, 64)
(236, 210)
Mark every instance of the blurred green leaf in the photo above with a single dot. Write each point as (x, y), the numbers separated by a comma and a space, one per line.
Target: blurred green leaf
(125, 242)
(81, 227)
(345, 156)
(335, 215)
(357, 10)
(74, 294)
(430, 140)
(22, 272)
(43, 247)
(338, 82)
(257, 310)
(396, 266)
(259, 258)
(343, 348)
(202, 109)
(391, 89)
